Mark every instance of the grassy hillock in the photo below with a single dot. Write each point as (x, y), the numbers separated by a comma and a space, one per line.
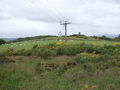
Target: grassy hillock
(51, 65)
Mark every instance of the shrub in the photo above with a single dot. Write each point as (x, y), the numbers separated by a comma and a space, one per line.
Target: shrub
(3, 60)
(90, 67)
(10, 52)
(35, 46)
(44, 53)
(92, 48)
(59, 47)
(114, 60)
(72, 50)
(60, 50)
(105, 38)
(23, 52)
(79, 59)
(2, 41)
(109, 47)
(20, 52)
(52, 45)
(85, 37)
(90, 57)
(117, 45)
(27, 52)
(87, 48)
(60, 43)
(47, 53)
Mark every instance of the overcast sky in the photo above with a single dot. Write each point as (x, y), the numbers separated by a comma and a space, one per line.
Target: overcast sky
(21, 18)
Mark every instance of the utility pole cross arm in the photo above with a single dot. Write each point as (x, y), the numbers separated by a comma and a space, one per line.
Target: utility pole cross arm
(65, 24)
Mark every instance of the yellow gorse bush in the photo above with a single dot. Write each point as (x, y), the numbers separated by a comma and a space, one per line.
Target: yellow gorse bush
(60, 43)
(52, 48)
(94, 44)
(85, 87)
(117, 44)
(89, 55)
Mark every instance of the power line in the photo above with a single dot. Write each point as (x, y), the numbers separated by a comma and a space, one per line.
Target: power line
(56, 9)
(46, 10)
(65, 24)
(53, 13)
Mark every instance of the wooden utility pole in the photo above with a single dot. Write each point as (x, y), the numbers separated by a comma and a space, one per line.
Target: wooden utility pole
(65, 24)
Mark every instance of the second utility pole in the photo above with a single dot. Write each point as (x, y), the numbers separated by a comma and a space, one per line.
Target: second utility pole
(65, 24)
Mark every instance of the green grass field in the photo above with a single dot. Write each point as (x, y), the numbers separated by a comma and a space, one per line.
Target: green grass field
(30, 44)
(25, 44)
(62, 72)
(25, 75)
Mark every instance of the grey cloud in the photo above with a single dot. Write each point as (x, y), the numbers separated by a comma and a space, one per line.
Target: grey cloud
(26, 9)
(89, 16)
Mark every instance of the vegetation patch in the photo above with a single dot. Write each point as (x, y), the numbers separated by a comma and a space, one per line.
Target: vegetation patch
(61, 66)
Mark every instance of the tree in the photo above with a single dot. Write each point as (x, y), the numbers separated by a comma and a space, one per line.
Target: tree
(104, 38)
(2, 41)
(119, 36)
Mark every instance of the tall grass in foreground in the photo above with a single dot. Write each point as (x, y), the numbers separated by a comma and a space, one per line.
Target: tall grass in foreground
(60, 66)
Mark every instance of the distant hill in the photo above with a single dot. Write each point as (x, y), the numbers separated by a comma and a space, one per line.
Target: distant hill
(47, 36)
(8, 39)
(110, 35)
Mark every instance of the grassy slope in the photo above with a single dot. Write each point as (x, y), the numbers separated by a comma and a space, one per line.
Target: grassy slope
(30, 44)
(23, 75)
(21, 45)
